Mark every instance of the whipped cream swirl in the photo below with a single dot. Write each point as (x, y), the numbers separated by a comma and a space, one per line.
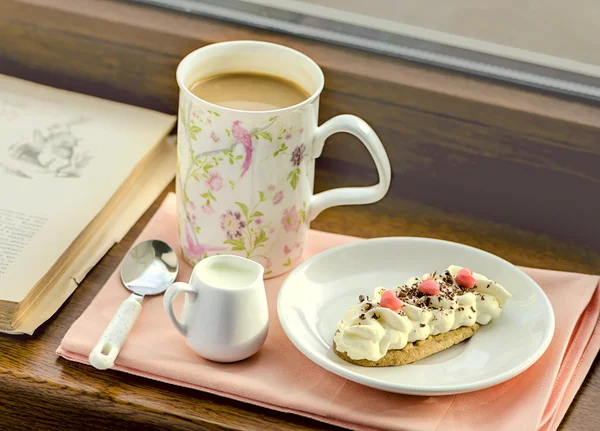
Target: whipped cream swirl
(368, 330)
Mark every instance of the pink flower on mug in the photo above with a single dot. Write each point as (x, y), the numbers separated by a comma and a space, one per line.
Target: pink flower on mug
(192, 205)
(287, 250)
(193, 113)
(214, 137)
(271, 188)
(278, 197)
(193, 218)
(271, 230)
(290, 219)
(215, 182)
(207, 209)
(288, 136)
(297, 244)
(232, 224)
(258, 221)
(268, 264)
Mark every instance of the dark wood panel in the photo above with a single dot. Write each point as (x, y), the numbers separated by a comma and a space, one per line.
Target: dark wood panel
(395, 216)
(484, 170)
(520, 117)
(457, 151)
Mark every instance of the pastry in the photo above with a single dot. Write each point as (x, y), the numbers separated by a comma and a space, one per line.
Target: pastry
(418, 350)
(422, 317)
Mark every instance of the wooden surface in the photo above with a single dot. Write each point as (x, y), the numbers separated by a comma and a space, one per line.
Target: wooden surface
(512, 171)
(489, 150)
(42, 391)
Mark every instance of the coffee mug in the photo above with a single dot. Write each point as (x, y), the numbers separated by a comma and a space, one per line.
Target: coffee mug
(245, 178)
(225, 315)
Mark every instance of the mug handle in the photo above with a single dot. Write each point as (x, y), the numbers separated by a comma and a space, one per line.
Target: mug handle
(352, 195)
(168, 299)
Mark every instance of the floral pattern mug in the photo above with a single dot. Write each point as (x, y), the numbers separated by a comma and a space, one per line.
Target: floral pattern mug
(245, 178)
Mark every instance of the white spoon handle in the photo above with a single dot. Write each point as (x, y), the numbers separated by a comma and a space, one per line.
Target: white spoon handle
(108, 346)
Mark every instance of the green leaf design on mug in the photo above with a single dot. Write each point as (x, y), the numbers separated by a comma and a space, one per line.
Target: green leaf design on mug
(302, 213)
(237, 244)
(264, 135)
(260, 239)
(244, 209)
(293, 177)
(208, 195)
(282, 149)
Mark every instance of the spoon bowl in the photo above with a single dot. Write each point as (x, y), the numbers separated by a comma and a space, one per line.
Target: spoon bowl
(149, 268)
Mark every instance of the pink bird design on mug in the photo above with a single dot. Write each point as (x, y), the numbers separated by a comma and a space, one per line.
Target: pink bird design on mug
(197, 250)
(243, 136)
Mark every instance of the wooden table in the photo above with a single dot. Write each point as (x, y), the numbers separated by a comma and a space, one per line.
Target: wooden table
(42, 391)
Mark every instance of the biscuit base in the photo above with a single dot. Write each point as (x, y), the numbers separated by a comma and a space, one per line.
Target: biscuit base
(415, 351)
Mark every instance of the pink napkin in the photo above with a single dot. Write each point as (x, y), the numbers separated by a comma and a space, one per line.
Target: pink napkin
(281, 378)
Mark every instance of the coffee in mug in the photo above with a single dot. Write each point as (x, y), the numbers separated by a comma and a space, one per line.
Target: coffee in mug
(249, 91)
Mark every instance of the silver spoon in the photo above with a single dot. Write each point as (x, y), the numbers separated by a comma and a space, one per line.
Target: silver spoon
(148, 269)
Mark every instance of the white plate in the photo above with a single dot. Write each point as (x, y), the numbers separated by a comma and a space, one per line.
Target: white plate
(315, 295)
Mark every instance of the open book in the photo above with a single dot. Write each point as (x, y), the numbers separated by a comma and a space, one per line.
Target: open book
(76, 172)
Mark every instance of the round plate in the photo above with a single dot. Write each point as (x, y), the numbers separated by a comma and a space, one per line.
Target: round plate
(315, 295)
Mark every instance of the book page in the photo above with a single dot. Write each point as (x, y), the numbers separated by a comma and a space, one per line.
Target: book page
(62, 156)
(16, 232)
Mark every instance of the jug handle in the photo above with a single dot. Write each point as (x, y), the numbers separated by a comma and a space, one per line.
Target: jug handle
(168, 299)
